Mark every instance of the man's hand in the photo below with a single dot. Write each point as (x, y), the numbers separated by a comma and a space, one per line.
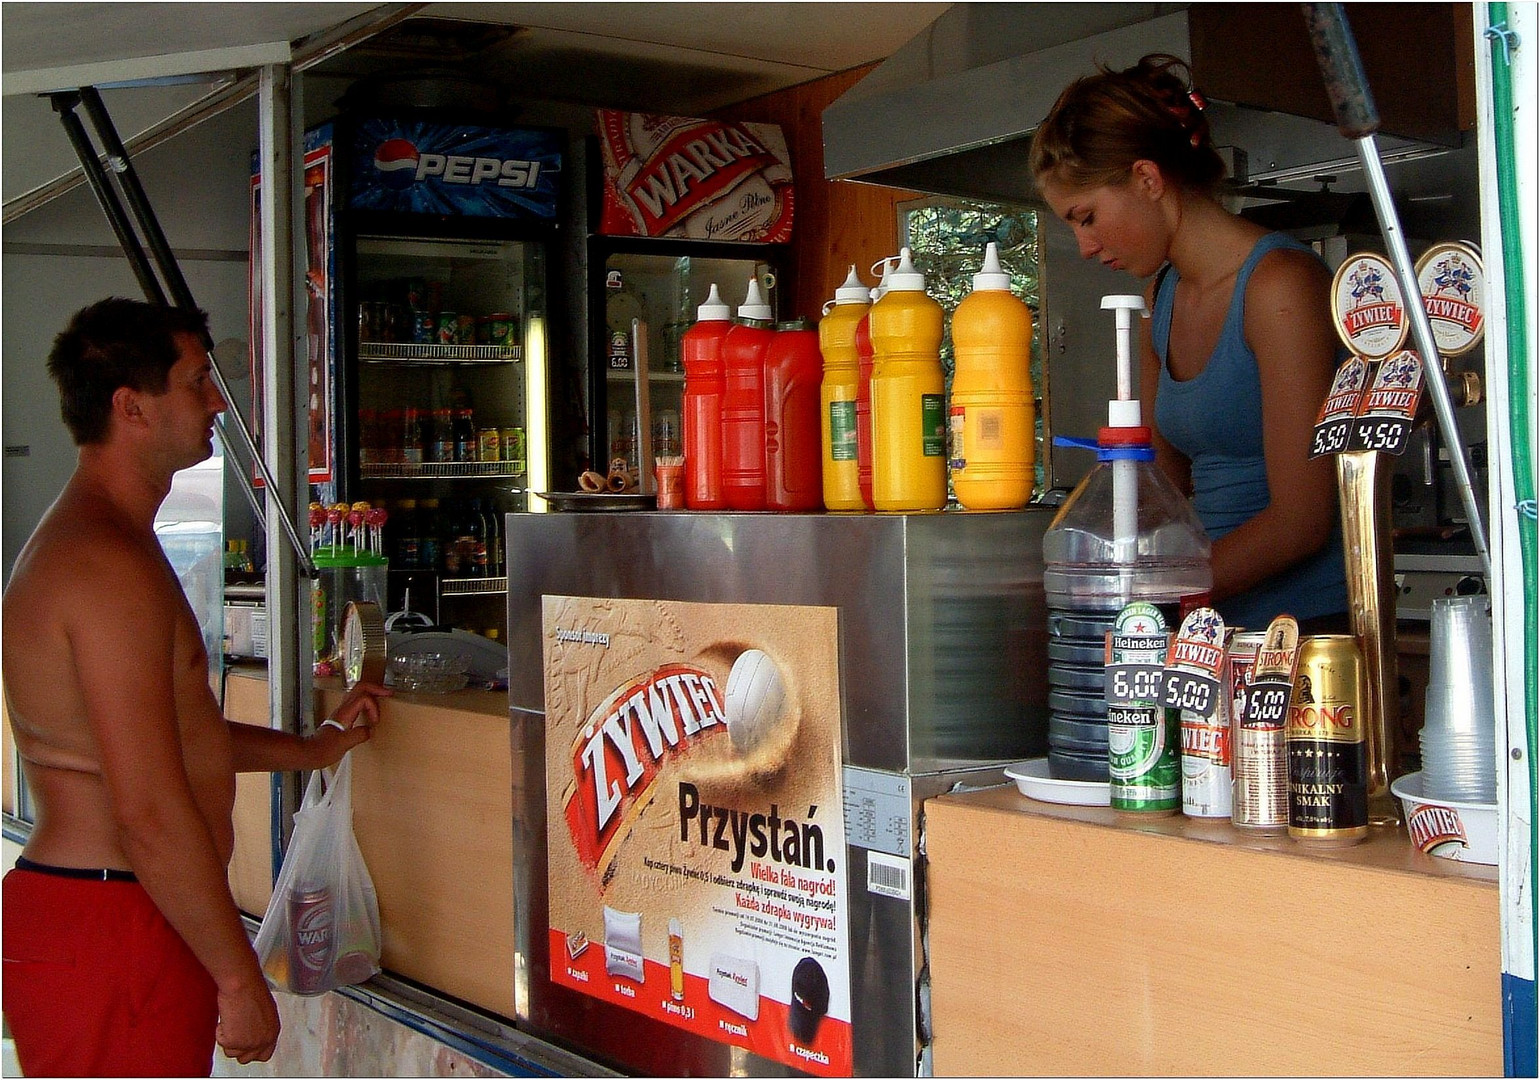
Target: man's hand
(348, 726)
(248, 1023)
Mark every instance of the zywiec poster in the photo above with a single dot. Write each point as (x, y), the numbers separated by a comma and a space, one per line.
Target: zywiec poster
(696, 838)
(693, 179)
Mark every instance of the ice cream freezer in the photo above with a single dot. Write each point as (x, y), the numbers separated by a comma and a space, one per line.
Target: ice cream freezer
(724, 728)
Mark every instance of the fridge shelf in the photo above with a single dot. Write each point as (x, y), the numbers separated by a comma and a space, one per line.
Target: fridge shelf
(627, 374)
(439, 470)
(388, 351)
(472, 586)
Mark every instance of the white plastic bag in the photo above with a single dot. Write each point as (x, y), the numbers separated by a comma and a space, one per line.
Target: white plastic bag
(322, 927)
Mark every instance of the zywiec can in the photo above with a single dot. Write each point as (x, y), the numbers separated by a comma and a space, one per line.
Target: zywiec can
(1206, 757)
(1145, 776)
(1328, 754)
(312, 938)
(1261, 793)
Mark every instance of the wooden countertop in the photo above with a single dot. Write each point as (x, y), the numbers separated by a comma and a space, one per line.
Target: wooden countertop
(1064, 941)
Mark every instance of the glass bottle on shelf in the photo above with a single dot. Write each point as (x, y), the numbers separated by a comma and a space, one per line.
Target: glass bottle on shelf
(412, 438)
(464, 435)
(443, 436)
(620, 307)
(430, 545)
(454, 543)
(494, 537)
(408, 536)
(477, 526)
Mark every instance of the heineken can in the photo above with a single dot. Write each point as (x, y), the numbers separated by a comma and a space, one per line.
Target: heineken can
(1327, 746)
(1143, 738)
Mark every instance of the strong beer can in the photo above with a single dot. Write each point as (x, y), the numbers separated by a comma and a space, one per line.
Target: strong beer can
(1326, 741)
(1261, 799)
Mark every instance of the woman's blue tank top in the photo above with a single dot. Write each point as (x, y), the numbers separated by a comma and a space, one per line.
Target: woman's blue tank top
(1215, 420)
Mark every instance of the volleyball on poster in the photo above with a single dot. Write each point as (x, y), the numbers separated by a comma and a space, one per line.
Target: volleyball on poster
(696, 833)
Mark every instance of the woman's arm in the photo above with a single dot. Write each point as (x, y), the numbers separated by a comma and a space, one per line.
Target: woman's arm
(1288, 327)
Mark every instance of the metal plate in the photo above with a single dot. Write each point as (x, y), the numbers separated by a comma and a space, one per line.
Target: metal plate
(599, 500)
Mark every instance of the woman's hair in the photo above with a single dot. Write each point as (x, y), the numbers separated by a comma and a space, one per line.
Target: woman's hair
(1105, 122)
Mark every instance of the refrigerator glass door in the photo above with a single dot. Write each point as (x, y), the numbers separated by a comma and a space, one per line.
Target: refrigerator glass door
(450, 389)
(650, 300)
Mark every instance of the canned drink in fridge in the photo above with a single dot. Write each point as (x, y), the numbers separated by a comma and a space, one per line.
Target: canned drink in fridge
(500, 328)
(488, 445)
(465, 330)
(424, 327)
(1327, 746)
(514, 449)
(1206, 757)
(1144, 773)
(312, 938)
(448, 327)
(1261, 800)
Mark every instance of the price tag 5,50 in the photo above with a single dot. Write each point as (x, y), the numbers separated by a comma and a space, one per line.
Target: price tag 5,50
(1334, 425)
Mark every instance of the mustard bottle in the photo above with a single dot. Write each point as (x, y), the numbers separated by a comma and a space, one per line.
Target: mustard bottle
(992, 442)
(908, 395)
(838, 393)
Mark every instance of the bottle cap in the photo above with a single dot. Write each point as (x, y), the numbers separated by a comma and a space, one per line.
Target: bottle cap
(1125, 414)
(882, 284)
(852, 292)
(754, 306)
(675, 929)
(991, 278)
(715, 309)
(905, 278)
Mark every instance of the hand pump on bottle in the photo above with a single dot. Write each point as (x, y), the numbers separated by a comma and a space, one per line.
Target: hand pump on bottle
(1124, 415)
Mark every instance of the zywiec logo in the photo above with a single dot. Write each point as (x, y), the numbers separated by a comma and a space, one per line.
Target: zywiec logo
(401, 165)
(1434, 826)
(1206, 740)
(313, 933)
(619, 752)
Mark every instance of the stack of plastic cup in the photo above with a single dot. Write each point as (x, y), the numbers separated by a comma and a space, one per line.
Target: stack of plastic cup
(1459, 733)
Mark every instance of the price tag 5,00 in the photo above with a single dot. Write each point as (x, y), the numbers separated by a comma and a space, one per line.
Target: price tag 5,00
(1194, 667)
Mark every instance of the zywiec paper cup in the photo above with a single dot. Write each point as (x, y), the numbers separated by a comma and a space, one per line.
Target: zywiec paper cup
(1446, 828)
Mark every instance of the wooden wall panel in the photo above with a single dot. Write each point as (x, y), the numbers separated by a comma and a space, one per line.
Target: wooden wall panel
(251, 867)
(1065, 943)
(837, 222)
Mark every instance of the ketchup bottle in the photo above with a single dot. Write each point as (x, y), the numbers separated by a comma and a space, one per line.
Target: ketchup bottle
(704, 386)
(793, 441)
(743, 402)
(864, 393)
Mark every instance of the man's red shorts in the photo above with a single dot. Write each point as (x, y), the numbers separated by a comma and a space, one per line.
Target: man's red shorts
(97, 983)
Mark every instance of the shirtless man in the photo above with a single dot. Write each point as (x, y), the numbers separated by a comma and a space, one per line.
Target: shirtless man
(124, 952)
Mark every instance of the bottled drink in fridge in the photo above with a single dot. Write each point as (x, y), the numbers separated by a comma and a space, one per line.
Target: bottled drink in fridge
(465, 435)
(793, 374)
(838, 393)
(743, 403)
(413, 440)
(992, 443)
(908, 395)
(494, 537)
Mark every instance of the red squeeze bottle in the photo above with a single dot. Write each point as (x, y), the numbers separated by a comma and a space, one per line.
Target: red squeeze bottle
(743, 403)
(793, 439)
(704, 387)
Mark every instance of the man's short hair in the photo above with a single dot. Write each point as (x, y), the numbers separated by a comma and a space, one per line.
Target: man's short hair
(115, 342)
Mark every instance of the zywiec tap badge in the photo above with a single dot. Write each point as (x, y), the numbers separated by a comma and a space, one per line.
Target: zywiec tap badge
(695, 179)
(695, 820)
(1453, 288)
(1373, 400)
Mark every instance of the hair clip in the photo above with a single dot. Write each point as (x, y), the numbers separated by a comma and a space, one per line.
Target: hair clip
(1197, 99)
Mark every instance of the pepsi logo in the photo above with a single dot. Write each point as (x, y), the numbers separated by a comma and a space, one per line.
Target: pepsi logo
(396, 161)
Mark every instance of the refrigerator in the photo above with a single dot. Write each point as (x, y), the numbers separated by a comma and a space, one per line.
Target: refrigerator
(428, 308)
(680, 204)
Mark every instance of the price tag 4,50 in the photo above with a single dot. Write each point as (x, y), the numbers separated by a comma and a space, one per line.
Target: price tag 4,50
(1384, 417)
(1192, 679)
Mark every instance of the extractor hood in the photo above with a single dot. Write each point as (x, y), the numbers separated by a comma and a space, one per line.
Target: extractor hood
(952, 111)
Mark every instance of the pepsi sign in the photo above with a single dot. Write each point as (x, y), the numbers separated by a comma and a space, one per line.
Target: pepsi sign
(420, 167)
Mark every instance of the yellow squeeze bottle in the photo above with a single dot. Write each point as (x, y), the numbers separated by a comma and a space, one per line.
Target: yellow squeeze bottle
(837, 395)
(908, 395)
(993, 446)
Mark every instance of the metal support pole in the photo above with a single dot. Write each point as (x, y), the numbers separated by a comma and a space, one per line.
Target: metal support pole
(171, 273)
(290, 693)
(1357, 119)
